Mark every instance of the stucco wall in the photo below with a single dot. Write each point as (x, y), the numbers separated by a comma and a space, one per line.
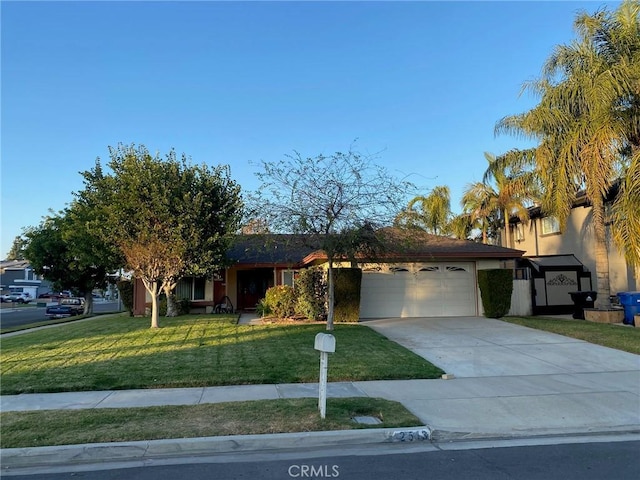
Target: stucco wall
(577, 239)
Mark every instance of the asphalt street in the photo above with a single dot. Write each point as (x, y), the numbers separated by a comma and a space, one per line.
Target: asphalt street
(26, 315)
(579, 461)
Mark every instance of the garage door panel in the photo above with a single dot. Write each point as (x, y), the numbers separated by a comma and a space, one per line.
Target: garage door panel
(428, 290)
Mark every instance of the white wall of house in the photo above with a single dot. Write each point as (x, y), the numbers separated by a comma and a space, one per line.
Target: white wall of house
(577, 239)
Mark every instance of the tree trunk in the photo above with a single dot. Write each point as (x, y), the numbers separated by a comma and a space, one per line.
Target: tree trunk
(331, 295)
(506, 228)
(88, 303)
(154, 309)
(154, 291)
(172, 308)
(602, 257)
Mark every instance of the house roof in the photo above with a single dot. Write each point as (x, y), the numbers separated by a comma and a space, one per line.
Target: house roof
(545, 261)
(269, 249)
(394, 245)
(14, 265)
(410, 245)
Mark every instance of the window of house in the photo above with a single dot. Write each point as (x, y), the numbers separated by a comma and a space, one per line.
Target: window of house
(519, 232)
(455, 269)
(191, 288)
(430, 269)
(398, 269)
(550, 225)
(289, 277)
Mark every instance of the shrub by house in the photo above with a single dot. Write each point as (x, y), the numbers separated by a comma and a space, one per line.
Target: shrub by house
(496, 287)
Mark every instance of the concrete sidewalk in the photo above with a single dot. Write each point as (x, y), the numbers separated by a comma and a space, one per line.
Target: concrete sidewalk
(169, 396)
(509, 382)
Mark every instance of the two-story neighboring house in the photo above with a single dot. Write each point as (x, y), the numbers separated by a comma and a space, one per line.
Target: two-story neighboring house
(18, 276)
(563, 261)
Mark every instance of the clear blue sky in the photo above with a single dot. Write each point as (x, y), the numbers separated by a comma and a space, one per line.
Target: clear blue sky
(420, 83)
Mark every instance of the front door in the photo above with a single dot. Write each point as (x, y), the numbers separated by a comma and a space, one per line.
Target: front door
(252, 286)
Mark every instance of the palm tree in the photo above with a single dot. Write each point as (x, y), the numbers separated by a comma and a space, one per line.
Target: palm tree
(516, 186)
(508, 187)
(479, 202)
(461, 226)
(587, 117)
(626, 216)
(429, 213)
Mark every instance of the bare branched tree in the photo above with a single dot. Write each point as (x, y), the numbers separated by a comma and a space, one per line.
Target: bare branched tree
(336, 201)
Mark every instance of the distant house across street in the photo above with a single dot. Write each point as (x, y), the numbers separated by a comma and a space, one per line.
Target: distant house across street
(16, 276)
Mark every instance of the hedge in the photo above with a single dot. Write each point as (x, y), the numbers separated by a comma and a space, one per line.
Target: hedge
(347, 282)
(311, 292)
(496, 287)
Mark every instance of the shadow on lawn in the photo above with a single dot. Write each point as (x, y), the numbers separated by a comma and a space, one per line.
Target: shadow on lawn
(245, 355)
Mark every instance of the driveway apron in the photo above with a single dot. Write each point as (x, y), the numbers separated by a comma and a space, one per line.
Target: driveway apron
(510, 379)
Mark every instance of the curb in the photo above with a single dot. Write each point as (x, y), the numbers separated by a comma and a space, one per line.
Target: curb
(445, 436)
(15, 458)
(145, 451)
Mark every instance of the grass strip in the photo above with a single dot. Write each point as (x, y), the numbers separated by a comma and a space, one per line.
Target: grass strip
(68, 427)
(620, 337)
(121, 352)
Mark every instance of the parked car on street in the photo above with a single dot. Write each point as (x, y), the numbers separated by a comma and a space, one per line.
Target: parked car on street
(17, 297)
(68, 307)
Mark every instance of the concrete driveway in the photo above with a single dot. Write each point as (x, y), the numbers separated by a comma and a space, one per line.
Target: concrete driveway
(511, 379)
(484, 347)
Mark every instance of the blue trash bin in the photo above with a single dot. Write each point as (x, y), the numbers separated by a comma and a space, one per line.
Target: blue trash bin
(630, 301)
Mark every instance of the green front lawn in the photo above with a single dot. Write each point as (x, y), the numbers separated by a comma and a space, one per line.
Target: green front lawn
(64, 427)
(620, 337)
(199, 350)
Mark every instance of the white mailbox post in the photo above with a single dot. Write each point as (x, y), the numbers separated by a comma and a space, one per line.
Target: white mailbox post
(325, 343)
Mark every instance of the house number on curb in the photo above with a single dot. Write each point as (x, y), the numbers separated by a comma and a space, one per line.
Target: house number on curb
(325, 343)
(410, 435)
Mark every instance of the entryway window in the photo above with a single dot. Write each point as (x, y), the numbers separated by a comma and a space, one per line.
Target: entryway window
(289, 277)
(191, 288)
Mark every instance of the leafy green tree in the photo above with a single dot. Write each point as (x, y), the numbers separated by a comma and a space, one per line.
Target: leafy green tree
(66, 253)
(587, 122)
(168, 218)
(430, 213)
(16, 252)
(336, 201)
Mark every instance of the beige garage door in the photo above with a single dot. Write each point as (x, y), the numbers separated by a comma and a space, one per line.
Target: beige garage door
(418, 290)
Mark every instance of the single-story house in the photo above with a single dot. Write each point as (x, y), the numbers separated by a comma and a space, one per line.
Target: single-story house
(414, 274)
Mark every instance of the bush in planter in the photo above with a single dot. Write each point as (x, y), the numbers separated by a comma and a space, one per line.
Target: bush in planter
(262, 309)
(311, 291)
(280, 300)
(496, 287)
(347, 282)
(184, 306)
